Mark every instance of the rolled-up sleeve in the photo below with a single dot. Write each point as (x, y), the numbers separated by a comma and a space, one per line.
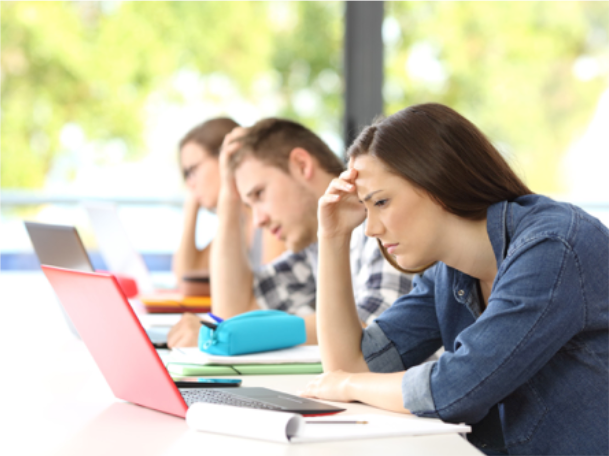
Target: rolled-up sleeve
(382, 356)
(416, 389)
(379, 352)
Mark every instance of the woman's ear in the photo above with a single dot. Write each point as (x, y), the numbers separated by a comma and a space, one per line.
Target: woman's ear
(302, 163)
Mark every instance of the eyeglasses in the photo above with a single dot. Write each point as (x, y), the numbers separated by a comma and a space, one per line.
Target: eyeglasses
(188, 172)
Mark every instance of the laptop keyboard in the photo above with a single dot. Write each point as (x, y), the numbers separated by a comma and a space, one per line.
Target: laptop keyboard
(192, 395)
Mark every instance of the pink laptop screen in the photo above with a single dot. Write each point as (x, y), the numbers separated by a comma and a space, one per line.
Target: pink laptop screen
(115, 338)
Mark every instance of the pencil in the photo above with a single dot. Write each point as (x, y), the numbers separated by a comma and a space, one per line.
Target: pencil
(336, 422)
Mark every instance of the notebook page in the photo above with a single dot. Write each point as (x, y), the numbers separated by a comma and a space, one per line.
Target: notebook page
(243, 422)
(376, 426)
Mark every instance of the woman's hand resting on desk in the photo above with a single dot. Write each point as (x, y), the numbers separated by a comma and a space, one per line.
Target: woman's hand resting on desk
(331, 386)
(340, 211)
(185, 333)
(379, 390)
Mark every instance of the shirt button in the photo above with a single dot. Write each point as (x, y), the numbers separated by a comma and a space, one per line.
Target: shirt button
(460, 293)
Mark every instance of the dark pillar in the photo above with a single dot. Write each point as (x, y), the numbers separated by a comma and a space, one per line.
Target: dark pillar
(363, 66)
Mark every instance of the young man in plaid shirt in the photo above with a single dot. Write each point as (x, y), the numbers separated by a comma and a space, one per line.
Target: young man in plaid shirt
(280, 169)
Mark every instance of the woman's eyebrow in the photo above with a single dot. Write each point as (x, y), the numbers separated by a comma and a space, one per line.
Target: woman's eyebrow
(369, 195)
(253, 191)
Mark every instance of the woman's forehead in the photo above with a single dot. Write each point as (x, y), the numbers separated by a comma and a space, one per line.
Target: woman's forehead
(366, 162)
(358, 162)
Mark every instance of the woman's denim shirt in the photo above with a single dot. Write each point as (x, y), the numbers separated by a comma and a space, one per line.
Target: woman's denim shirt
(530, 373)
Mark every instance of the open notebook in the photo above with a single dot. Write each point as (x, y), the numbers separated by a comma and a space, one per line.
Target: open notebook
(292, 428)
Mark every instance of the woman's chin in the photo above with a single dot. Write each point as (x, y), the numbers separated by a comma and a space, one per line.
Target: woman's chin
(410, 264)
(405, 263)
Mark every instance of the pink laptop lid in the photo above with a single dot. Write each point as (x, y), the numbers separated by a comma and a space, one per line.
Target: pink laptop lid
(115, 338)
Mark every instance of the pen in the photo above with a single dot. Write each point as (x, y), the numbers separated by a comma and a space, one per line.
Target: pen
(336, 422)
(208, 324)
(217, 319)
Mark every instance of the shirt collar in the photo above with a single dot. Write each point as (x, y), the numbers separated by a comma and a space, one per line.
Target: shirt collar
(496, 226)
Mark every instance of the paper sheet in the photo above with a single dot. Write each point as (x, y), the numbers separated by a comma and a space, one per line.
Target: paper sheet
(300, 354)
(293, 428)
(377, 426)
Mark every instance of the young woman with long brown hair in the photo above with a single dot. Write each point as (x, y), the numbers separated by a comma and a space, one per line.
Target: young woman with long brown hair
(513, 285)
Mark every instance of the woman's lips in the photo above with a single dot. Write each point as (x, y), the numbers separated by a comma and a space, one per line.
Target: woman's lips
(276, 232)
(390, 247)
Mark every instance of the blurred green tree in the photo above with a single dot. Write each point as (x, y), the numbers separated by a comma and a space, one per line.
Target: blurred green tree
(508, 66)
(96, 64)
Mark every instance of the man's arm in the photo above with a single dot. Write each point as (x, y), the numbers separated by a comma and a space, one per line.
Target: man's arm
(231, 280)
(188, 257)
(231, 277)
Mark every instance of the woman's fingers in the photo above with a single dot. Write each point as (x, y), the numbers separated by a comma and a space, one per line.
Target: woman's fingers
(311, 388)
(329, 386)
(339, 185)
(330, 197)
(349, 174)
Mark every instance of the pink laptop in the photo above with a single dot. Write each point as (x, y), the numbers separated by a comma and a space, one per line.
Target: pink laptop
(124, 354)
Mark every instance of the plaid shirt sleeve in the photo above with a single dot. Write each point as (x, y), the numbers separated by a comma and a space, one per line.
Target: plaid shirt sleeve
(287, 284)
(376, 283)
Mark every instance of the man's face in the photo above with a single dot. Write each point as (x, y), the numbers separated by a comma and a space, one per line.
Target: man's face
(280, 202)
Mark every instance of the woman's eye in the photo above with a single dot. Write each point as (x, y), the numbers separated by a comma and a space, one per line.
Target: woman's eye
(380, 203)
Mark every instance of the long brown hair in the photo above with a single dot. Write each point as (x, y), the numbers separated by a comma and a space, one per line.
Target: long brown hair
(209, 134)
(441, 152)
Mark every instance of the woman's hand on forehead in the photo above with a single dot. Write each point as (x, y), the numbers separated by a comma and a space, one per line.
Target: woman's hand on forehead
(340, 210)
(351, 163)
(349, 175)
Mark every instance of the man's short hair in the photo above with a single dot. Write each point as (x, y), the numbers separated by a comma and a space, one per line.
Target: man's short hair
(271, 141)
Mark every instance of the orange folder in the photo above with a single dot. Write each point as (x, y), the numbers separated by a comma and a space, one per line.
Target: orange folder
(171, 302)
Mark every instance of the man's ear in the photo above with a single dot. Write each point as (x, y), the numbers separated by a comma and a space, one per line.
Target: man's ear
(302, 163)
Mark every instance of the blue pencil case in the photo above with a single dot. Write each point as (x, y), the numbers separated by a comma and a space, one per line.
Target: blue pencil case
(253, 332)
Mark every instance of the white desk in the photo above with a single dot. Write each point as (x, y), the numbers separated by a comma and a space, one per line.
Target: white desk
(54, 400)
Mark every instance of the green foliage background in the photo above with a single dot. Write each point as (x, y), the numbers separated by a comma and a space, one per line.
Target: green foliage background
(508, 66)
(97, 63)
(509, 69)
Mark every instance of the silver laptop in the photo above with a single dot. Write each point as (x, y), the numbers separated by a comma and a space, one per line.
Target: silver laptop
(61, 246)
(115, 247)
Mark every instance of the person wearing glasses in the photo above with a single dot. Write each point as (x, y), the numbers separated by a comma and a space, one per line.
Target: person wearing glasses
(198, 156)
(513, 285)
(280, 169)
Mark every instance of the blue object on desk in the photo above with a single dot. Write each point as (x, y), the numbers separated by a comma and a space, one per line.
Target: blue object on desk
(253, 332)
(216, 319)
